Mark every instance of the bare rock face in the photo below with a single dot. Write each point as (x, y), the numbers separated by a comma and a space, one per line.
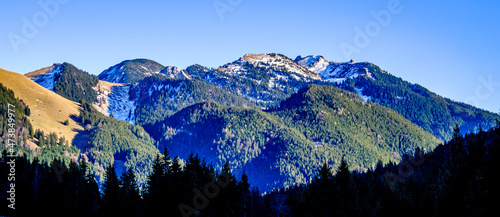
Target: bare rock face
(174, 72)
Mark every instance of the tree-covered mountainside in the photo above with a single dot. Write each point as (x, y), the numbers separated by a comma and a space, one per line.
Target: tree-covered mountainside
(13, 119)
(459, 178)
(267, 79)
(250, 140)
(75, 84)
(342, 122)
(283, 146)
(271, 78)
(435, 114)
(159, 97)
(116, 142)
(131, 71)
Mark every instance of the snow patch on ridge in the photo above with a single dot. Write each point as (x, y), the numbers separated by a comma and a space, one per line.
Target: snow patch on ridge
(48, 80)
(363, 97)
(120, 105)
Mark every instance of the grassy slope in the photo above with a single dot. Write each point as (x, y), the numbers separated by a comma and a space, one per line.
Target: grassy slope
(48, 109)
(41, 71)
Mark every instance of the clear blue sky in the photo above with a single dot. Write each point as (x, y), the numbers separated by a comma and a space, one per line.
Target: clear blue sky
(449, 47)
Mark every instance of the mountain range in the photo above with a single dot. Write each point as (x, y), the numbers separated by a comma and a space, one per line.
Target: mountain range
(275, 118)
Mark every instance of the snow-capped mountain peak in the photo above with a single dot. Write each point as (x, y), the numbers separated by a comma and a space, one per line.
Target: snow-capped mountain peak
(131, 71)
(333, 71)
(272, 61)
(47, 77)
(316, 64)
(175, 72)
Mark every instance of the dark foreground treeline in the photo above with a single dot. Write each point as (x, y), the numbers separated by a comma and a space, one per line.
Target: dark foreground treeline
(459, 178)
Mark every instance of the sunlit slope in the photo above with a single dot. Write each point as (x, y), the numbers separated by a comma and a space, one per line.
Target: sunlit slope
(48, 109)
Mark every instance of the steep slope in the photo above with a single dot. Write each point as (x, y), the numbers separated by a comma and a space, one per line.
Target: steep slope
(48, 110)
(113, 99)
(75, 84)
(131, 71)
(286, 145)
(435, 114)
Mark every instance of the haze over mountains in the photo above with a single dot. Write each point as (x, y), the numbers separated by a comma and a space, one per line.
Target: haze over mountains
(276, 118)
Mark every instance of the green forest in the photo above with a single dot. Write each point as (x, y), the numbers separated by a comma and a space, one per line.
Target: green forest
(112, 141)
(175, 94)
(23, 130)
(284, 145)
(424, 108)
(75, 84)
(458, 178)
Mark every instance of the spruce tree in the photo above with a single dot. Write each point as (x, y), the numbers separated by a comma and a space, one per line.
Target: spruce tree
(130, 197)
(90, 190)
(347, 192)
(153, 192)
(110, 193)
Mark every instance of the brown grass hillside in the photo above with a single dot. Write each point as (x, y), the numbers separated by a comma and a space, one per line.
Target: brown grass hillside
(41, 71)
(48, 109)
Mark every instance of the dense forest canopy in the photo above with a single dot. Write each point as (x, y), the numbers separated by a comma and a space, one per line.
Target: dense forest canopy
(459, 178)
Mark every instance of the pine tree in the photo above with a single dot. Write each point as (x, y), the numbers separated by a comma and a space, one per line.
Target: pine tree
(244, 193)
(153, 191)
(347, 192)
(90, 190)
(130, 197)
(457, 135)
(110, 193)
(319, 198)
(226, 202)
(167, 162)
(62, 141)
(324, 175)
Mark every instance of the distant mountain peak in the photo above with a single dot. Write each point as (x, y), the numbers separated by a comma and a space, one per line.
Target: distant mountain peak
(131, 71)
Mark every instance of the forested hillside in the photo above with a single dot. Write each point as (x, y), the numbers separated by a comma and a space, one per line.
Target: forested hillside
(120, 143)
(458, 178)
(426, 109)
(13, 119)
(284, 145)
(342, 122)
(159, 97)
(75, 84)
(272, 154)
